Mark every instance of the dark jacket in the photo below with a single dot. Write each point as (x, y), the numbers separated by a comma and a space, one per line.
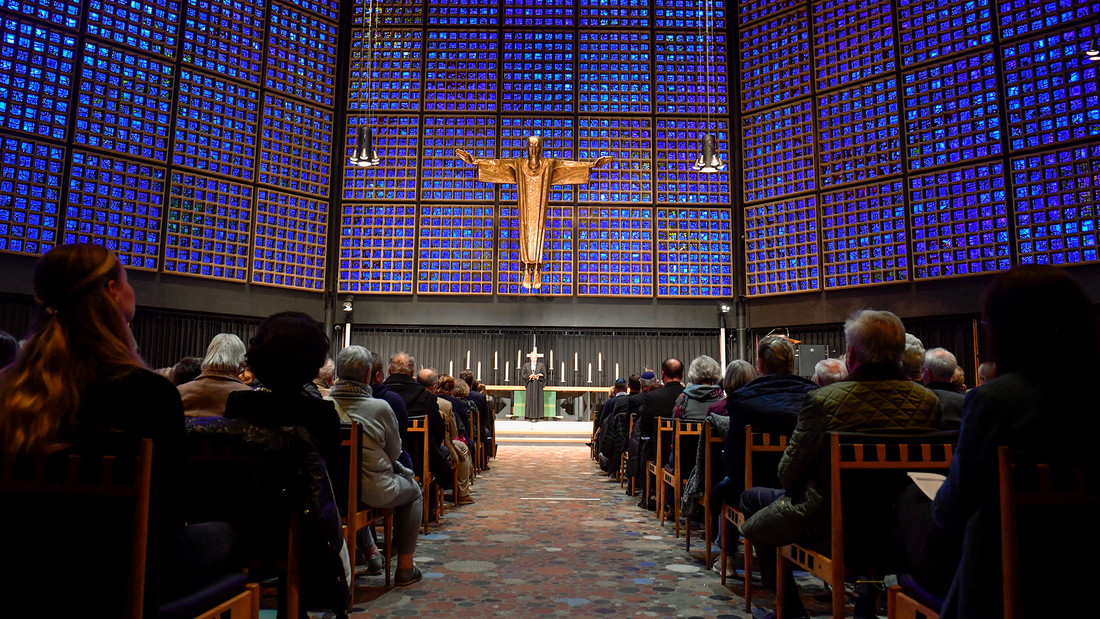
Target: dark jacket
(420, 403)
(951, 401)
(656, 404)
(875, 398)
(1014, 411)
(402, 413)
(769, 403)
(267, 408)
(274, 471)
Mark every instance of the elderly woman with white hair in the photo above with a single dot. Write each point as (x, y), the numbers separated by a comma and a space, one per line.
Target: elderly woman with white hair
(206, 395)
(386, 483)
(703, 390)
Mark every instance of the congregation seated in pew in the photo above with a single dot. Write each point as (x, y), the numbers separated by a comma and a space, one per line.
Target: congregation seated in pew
(221, 368)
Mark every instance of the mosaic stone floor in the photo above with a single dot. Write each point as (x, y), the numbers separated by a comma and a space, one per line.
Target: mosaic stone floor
(528, 547)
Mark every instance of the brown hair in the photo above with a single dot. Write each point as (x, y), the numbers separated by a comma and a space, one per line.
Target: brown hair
(446, 383)
(79, 337)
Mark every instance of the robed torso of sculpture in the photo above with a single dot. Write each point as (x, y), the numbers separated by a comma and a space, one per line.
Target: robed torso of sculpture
(533, 176)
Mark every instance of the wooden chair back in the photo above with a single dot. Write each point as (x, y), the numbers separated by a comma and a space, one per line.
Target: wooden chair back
(665, 428)
(96, 500)
(859, 451)
(355, 515)
(418, 449)
(756, 443)
(1062, 496)
(712, 447)
(115, 482)
(687, 434)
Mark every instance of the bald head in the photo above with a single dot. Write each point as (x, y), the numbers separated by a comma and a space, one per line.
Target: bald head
(672, 370)
(427, 378)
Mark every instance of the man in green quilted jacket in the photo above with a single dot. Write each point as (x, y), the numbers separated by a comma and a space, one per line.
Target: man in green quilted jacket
(875, 397)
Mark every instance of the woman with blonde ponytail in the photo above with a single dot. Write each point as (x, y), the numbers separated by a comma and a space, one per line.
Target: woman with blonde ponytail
(79, 380)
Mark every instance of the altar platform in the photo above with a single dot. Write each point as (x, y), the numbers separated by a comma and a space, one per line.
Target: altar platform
(547, 432)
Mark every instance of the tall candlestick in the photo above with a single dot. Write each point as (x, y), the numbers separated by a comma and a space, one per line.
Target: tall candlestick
(479, 371)
(451, 367)
(507, 370)
(590, 373)
(467, 359)
(617, 371)
(551, 366)
(495, 366)
(519, 356)
(563, 371)
(600, 358)
(576, 366)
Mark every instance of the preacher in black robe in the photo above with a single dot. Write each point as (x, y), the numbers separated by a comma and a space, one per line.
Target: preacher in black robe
(535, 377)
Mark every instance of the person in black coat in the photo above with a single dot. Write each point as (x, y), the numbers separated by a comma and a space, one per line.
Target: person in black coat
(286, 353)
(421, 403)
(769, 403)
(660, 403)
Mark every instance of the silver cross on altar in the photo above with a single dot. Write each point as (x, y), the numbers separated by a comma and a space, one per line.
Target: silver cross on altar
(534, 355)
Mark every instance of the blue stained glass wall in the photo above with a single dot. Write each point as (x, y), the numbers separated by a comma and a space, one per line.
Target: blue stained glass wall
(118, 204)
(124, 103)
(614, 251)
(151, 27)
(677, 150)
(614, 72)
(301, 56)
(35, 78)
(377, 248)
(853, 40)
(775, 60)
(539, 69)
(559, 247)
(541, 13)
(863, 237)
(289, 240)
(216, 125)
(558, 142)
(462, 71)
(209, 227)
(615, 13)
(629, 176)
(30, 195)
(225, 37)
(959, 222)
(781, 247)
(455, 251)
(694, 252)
(398, 58)
(443, 176)
(858, 132)
(294, 142)
(1056, 201)
(59, 12)
(934, 28)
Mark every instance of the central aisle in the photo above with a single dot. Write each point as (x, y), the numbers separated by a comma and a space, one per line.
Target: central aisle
(526, 549)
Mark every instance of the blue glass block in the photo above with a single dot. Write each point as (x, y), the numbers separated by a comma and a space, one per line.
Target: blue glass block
(680, 60)
(30, 179)
(390, 73)
(209, 223)
(1051, 89)
(779, 152)
(859, 138)
(541, 13)
(295, 235)
(224, 147)
(36, 72)
(775, 60)
(1025, 17)
(781, 258)
(933, 29)
(678, 144)
(455, 84)
(615, 72)
(538, 71)
(615, 13)
(628, 178)
(689, 14)
(961, 97)
(852, 41)
(151, 27)
(301, 54)
(222, 37)
(329, 9)
(295, 139)
(478, 13)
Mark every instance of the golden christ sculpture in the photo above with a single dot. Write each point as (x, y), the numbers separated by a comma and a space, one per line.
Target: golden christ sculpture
(534, 176)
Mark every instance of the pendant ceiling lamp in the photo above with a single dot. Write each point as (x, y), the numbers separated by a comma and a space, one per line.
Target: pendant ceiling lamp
(708, 161)
(363, 154)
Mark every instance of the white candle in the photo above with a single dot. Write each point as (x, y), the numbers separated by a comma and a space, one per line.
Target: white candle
(451, 367)
(507, 370)
(551, 366)
(519, 356)
(478, 371)
(589, 373)
(617, 371)
(600, 359)
(467, 359)
(563, 371)
(576, 366)
(495, 366)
